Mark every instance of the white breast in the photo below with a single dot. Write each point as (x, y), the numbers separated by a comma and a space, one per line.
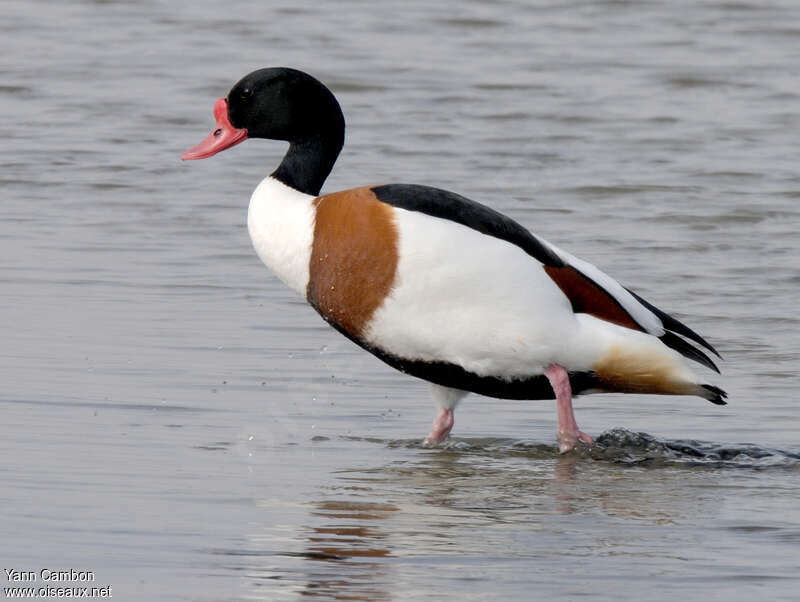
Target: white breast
(281, 225)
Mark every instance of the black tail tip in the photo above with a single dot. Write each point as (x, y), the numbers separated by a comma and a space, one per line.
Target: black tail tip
(715, 395)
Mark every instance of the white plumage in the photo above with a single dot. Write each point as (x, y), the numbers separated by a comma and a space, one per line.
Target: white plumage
(280, 220)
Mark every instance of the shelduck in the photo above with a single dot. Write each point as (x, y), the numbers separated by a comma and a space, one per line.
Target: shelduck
(438, 286)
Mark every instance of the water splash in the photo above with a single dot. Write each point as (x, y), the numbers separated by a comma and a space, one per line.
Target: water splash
(628, 447)
(620, 446)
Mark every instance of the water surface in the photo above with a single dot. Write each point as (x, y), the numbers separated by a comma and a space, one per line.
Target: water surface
(178, 423)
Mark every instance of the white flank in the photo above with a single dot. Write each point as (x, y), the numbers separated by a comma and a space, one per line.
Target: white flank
(484, 304)
(470, 299)
(281, 225)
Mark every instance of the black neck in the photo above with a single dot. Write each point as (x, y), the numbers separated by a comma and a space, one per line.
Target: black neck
(308, 162)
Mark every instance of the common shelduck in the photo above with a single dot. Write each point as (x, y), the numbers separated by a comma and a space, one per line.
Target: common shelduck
(439, 286)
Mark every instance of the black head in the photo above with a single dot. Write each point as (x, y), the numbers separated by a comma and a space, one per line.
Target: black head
(284, 104)
(281, 104)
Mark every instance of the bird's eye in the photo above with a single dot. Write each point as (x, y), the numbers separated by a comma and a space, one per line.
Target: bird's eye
(246, 93)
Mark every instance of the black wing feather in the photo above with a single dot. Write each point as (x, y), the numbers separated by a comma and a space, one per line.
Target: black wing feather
(674, 325)
(675, 342)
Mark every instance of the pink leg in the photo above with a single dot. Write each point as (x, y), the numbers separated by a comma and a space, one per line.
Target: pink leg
(568, 432)
(441, 427)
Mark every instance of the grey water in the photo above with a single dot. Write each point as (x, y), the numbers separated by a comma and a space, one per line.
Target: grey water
(176, 422)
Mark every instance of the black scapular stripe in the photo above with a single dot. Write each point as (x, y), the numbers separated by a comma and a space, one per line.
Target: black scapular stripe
(454, 207)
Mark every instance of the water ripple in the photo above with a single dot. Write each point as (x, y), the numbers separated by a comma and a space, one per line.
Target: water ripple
(619, 446)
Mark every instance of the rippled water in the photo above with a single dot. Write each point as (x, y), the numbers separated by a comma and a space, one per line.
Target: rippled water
(178, 423)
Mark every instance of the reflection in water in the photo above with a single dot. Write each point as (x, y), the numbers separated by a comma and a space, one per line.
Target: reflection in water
(346, 551)
(564, 475)
(450, 507)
